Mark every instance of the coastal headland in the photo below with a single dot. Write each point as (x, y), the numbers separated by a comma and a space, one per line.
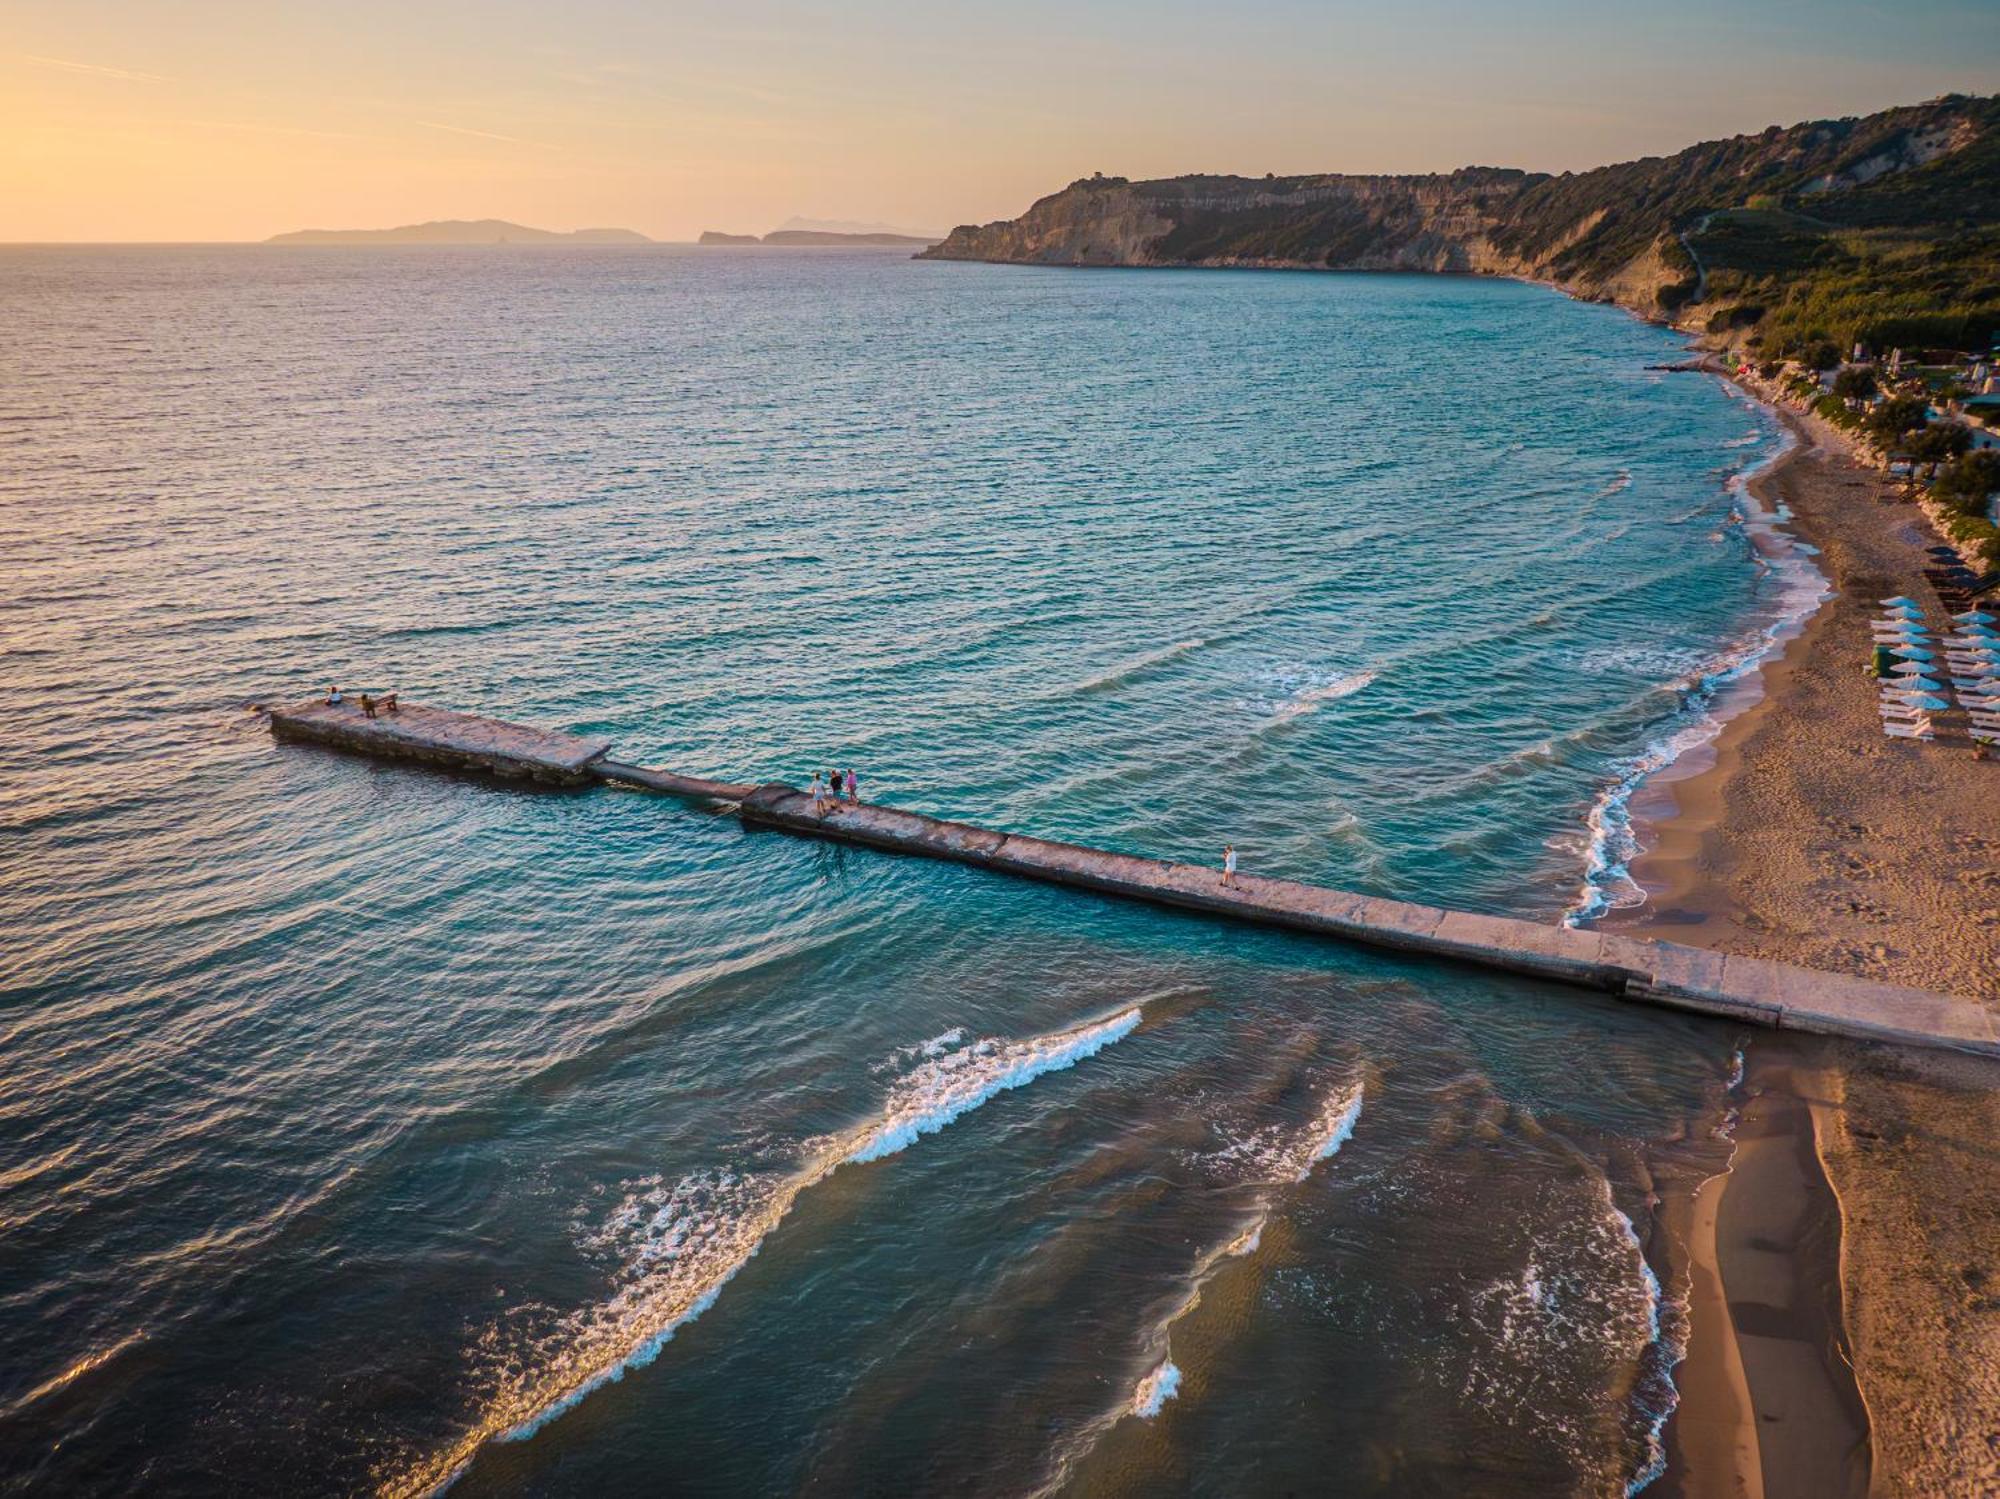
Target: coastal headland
(1800, 834)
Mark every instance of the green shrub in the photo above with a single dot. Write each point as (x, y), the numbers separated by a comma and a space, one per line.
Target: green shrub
(1964, 486)
(1893, 420)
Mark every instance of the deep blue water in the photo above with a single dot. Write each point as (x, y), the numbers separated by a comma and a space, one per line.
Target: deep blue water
(353, 1115)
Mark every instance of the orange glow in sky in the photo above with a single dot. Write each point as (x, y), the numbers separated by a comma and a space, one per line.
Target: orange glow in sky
(220, 119)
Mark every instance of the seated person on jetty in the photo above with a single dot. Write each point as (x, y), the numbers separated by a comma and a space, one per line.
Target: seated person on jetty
(386, 703)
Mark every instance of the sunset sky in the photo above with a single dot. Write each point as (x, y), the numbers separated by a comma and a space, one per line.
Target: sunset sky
(219, 119)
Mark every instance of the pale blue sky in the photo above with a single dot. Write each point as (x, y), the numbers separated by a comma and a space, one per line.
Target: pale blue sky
(228, 119)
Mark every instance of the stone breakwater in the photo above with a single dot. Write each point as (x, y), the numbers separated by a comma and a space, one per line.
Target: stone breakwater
(1726, 986)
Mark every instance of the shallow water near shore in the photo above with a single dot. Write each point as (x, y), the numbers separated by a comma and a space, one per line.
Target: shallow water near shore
(367, 1127)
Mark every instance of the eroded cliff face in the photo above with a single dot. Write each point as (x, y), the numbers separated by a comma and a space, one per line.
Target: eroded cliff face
(1439, 223)
(1617, 233)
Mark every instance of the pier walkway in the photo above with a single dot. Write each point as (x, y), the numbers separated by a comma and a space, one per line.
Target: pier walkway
(1747, 990)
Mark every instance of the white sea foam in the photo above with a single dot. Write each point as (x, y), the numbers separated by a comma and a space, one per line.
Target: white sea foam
(1611, 843)
(1584, 1308)
(1334, 1127)
(949, 1085)
(1273, 1156)
(1155, 1390)
(673, 1247)
(1275, 1161)
(1316, 694)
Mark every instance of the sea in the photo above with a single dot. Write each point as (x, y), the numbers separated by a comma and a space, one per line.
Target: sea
(366, 1128)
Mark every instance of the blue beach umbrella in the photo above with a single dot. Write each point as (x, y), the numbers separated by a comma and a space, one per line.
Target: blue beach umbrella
(1924, 700)
(1916, 684)
(1973, 617)
(1913, 653)
(1899, 602)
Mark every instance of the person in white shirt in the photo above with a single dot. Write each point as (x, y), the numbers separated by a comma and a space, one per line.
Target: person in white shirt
(1229, 864)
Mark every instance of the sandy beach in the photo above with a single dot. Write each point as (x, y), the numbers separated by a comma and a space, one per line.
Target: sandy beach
(1803, 834)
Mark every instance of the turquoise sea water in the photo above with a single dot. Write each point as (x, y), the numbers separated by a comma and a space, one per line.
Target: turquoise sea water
(361, 1125)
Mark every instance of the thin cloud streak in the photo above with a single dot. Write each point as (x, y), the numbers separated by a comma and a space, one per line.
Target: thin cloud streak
(486, 135)
(131, 75)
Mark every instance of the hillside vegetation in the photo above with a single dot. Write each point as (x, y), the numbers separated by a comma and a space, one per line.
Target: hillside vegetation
(1884, 228)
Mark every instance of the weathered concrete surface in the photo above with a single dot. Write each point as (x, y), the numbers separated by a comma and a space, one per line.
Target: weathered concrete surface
(694, 788)
(461, 740)
(1746, 990)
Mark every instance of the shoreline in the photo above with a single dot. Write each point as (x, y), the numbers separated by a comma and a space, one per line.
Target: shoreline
(1796, 831)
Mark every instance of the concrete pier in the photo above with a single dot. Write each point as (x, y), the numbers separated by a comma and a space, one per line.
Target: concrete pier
(461, 741)
(1745, 990)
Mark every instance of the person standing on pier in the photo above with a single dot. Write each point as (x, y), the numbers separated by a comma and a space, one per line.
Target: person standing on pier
(853, 785)
(817, 791)
(1229, 864)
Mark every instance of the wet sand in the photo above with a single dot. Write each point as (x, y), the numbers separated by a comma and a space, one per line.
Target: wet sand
(1861, 1218)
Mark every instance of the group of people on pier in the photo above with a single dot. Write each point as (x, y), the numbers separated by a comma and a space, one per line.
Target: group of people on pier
(830, 788)
(386, 703)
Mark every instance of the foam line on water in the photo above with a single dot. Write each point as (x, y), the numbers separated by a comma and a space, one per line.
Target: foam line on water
(1611, 842)
(1125, 671)
(1155, 1390)
(956, 1082)
(1311, 698)
(677, 1246)
(1274, 1167)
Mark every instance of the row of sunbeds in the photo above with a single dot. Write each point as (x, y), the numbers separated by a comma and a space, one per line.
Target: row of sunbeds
(1915, 688)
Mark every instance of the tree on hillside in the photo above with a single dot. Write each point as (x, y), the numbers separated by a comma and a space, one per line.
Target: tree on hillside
(1893, 420)
(1939, 443)
(1857, 384)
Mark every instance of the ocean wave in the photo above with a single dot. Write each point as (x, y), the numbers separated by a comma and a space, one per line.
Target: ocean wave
(1275, 1159)
(1124, 671)
(673, 1247)
(1155, 1390)
(957, 1082)
(1584, 1310)
(1611, 842)
(1316, 694)
(1274, 1156)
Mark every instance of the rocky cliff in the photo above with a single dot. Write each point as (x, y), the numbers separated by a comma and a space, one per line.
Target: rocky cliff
(1620, 233)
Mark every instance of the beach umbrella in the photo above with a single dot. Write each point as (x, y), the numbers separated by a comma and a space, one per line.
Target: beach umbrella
(1973, 617)
(1914, 684)
(1925, 700)
(1913, 653)
(1899, 602)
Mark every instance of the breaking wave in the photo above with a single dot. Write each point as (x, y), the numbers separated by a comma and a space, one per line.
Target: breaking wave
(1274, 1162)
(1312, 697)
(672, 1247)
(951, 1084)
(1611, 842)
(1155, 1390)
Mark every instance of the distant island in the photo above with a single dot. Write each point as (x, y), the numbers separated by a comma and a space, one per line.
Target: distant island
(460, 232)
(818, 237)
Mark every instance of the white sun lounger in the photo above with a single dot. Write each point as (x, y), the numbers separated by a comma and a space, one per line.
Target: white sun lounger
(1908, 731)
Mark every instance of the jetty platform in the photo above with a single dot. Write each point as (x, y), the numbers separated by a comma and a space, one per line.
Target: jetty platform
(1752, 991)
(460, 741)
